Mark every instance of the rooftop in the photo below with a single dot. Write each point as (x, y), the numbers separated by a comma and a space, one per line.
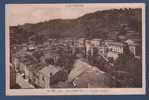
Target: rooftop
(49, 69)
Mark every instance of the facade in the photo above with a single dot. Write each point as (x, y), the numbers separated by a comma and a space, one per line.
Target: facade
(96, 42)
(44, 75)
(91, 45)
(12, 76)
(134, 46)
(50, 56)
(115, 46)
(81, 42)
(113, 49)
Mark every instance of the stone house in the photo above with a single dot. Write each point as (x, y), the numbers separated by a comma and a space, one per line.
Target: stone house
(44, 75)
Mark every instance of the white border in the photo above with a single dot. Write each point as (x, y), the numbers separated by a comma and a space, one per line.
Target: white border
(92, 91)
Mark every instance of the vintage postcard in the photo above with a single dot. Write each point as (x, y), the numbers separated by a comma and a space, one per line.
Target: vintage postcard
(75, 49)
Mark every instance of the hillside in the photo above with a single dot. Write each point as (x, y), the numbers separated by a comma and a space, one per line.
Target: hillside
(107, 24)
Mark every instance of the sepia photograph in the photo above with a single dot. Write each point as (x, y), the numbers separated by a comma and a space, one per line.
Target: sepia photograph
(75, 49)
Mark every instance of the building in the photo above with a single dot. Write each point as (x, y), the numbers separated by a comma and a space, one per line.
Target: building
(81, 42)
(114, 49)
(44, 75)
(93, 46)
(12, 76)
(102, 50)
(135, 47)
(96, 42)
(84, 75)
(49, 56)
(88, 47)
(24, 65)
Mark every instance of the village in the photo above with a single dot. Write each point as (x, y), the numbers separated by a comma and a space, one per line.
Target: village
(73, 63)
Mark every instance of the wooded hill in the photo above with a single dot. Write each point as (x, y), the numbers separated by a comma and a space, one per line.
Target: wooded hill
(106, 24)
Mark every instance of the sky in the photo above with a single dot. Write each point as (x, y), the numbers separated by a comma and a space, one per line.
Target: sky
(18, 14)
